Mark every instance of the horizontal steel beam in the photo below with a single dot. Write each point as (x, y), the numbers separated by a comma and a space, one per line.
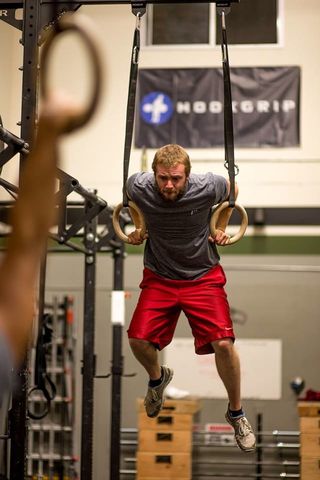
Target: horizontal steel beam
(8, 4)
(15, 4)
(222, 3)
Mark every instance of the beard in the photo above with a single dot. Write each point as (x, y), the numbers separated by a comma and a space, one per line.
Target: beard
(172, 194)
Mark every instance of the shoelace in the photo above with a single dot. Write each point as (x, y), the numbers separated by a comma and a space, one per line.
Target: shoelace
(154, 395)
(243, 427)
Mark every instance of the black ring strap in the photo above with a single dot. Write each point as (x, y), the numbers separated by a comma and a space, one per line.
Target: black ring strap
(228, 114)
(138, 9)
(42, 382)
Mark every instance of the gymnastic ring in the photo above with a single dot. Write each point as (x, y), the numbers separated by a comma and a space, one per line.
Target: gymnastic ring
(83, 26)
(139, 222)
(243, 226)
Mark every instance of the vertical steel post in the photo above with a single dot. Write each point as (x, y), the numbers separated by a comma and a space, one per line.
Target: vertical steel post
(17, 417)
(31, 22)
(259, 447)
(88, 369)
(116, 367)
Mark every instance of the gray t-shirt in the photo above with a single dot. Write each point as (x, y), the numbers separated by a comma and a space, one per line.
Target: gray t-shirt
(178, 247)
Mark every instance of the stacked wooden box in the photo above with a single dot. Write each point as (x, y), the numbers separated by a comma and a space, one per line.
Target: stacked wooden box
(165, 442)
(309, 413)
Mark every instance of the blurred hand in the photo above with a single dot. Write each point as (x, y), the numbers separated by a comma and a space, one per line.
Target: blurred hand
(59, 111)
(221, 238)
(134, 238)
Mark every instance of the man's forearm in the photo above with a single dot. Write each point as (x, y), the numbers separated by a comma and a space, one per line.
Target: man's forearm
(224, 218)
(225, 215)
(33, 213)
(31, 219)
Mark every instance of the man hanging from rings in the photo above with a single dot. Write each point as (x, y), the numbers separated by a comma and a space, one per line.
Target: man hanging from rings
(182, 273)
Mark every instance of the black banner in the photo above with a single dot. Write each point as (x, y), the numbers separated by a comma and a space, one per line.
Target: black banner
(185, 106)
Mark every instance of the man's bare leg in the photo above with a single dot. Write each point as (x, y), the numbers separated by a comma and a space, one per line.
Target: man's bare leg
(160, 377)
(228, 366)
(147, 355)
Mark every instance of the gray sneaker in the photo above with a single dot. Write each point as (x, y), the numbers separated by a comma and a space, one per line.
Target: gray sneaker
(155, 396)
(243, 433)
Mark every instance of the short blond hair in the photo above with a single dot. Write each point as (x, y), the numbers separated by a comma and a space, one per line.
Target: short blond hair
(169, 156)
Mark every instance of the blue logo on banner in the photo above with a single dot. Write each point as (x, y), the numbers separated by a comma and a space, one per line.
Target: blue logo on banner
(156, 108)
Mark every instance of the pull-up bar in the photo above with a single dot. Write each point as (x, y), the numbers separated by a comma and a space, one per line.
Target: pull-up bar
(220, 3)
(15, 4)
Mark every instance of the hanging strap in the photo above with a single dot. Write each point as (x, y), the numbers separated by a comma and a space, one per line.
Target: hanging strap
(228, 114)
(138, 9)
(43, 384)
(223, 8)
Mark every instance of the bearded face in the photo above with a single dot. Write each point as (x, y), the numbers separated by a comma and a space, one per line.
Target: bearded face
(171, 181)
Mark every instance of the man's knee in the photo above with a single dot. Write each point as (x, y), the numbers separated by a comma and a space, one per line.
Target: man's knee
(137, 344)
(223, 346)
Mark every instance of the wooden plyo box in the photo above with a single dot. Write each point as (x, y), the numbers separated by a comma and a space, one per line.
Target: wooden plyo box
(165, 442)
(309, 409)
(175, 415)
(309, 445)
(165, 422)
(189, 407)
(310, 425)
(309, 440)
(163, 465)
(310, 469)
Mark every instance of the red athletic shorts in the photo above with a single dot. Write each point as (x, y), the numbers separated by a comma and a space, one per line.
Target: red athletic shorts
(203, 301)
